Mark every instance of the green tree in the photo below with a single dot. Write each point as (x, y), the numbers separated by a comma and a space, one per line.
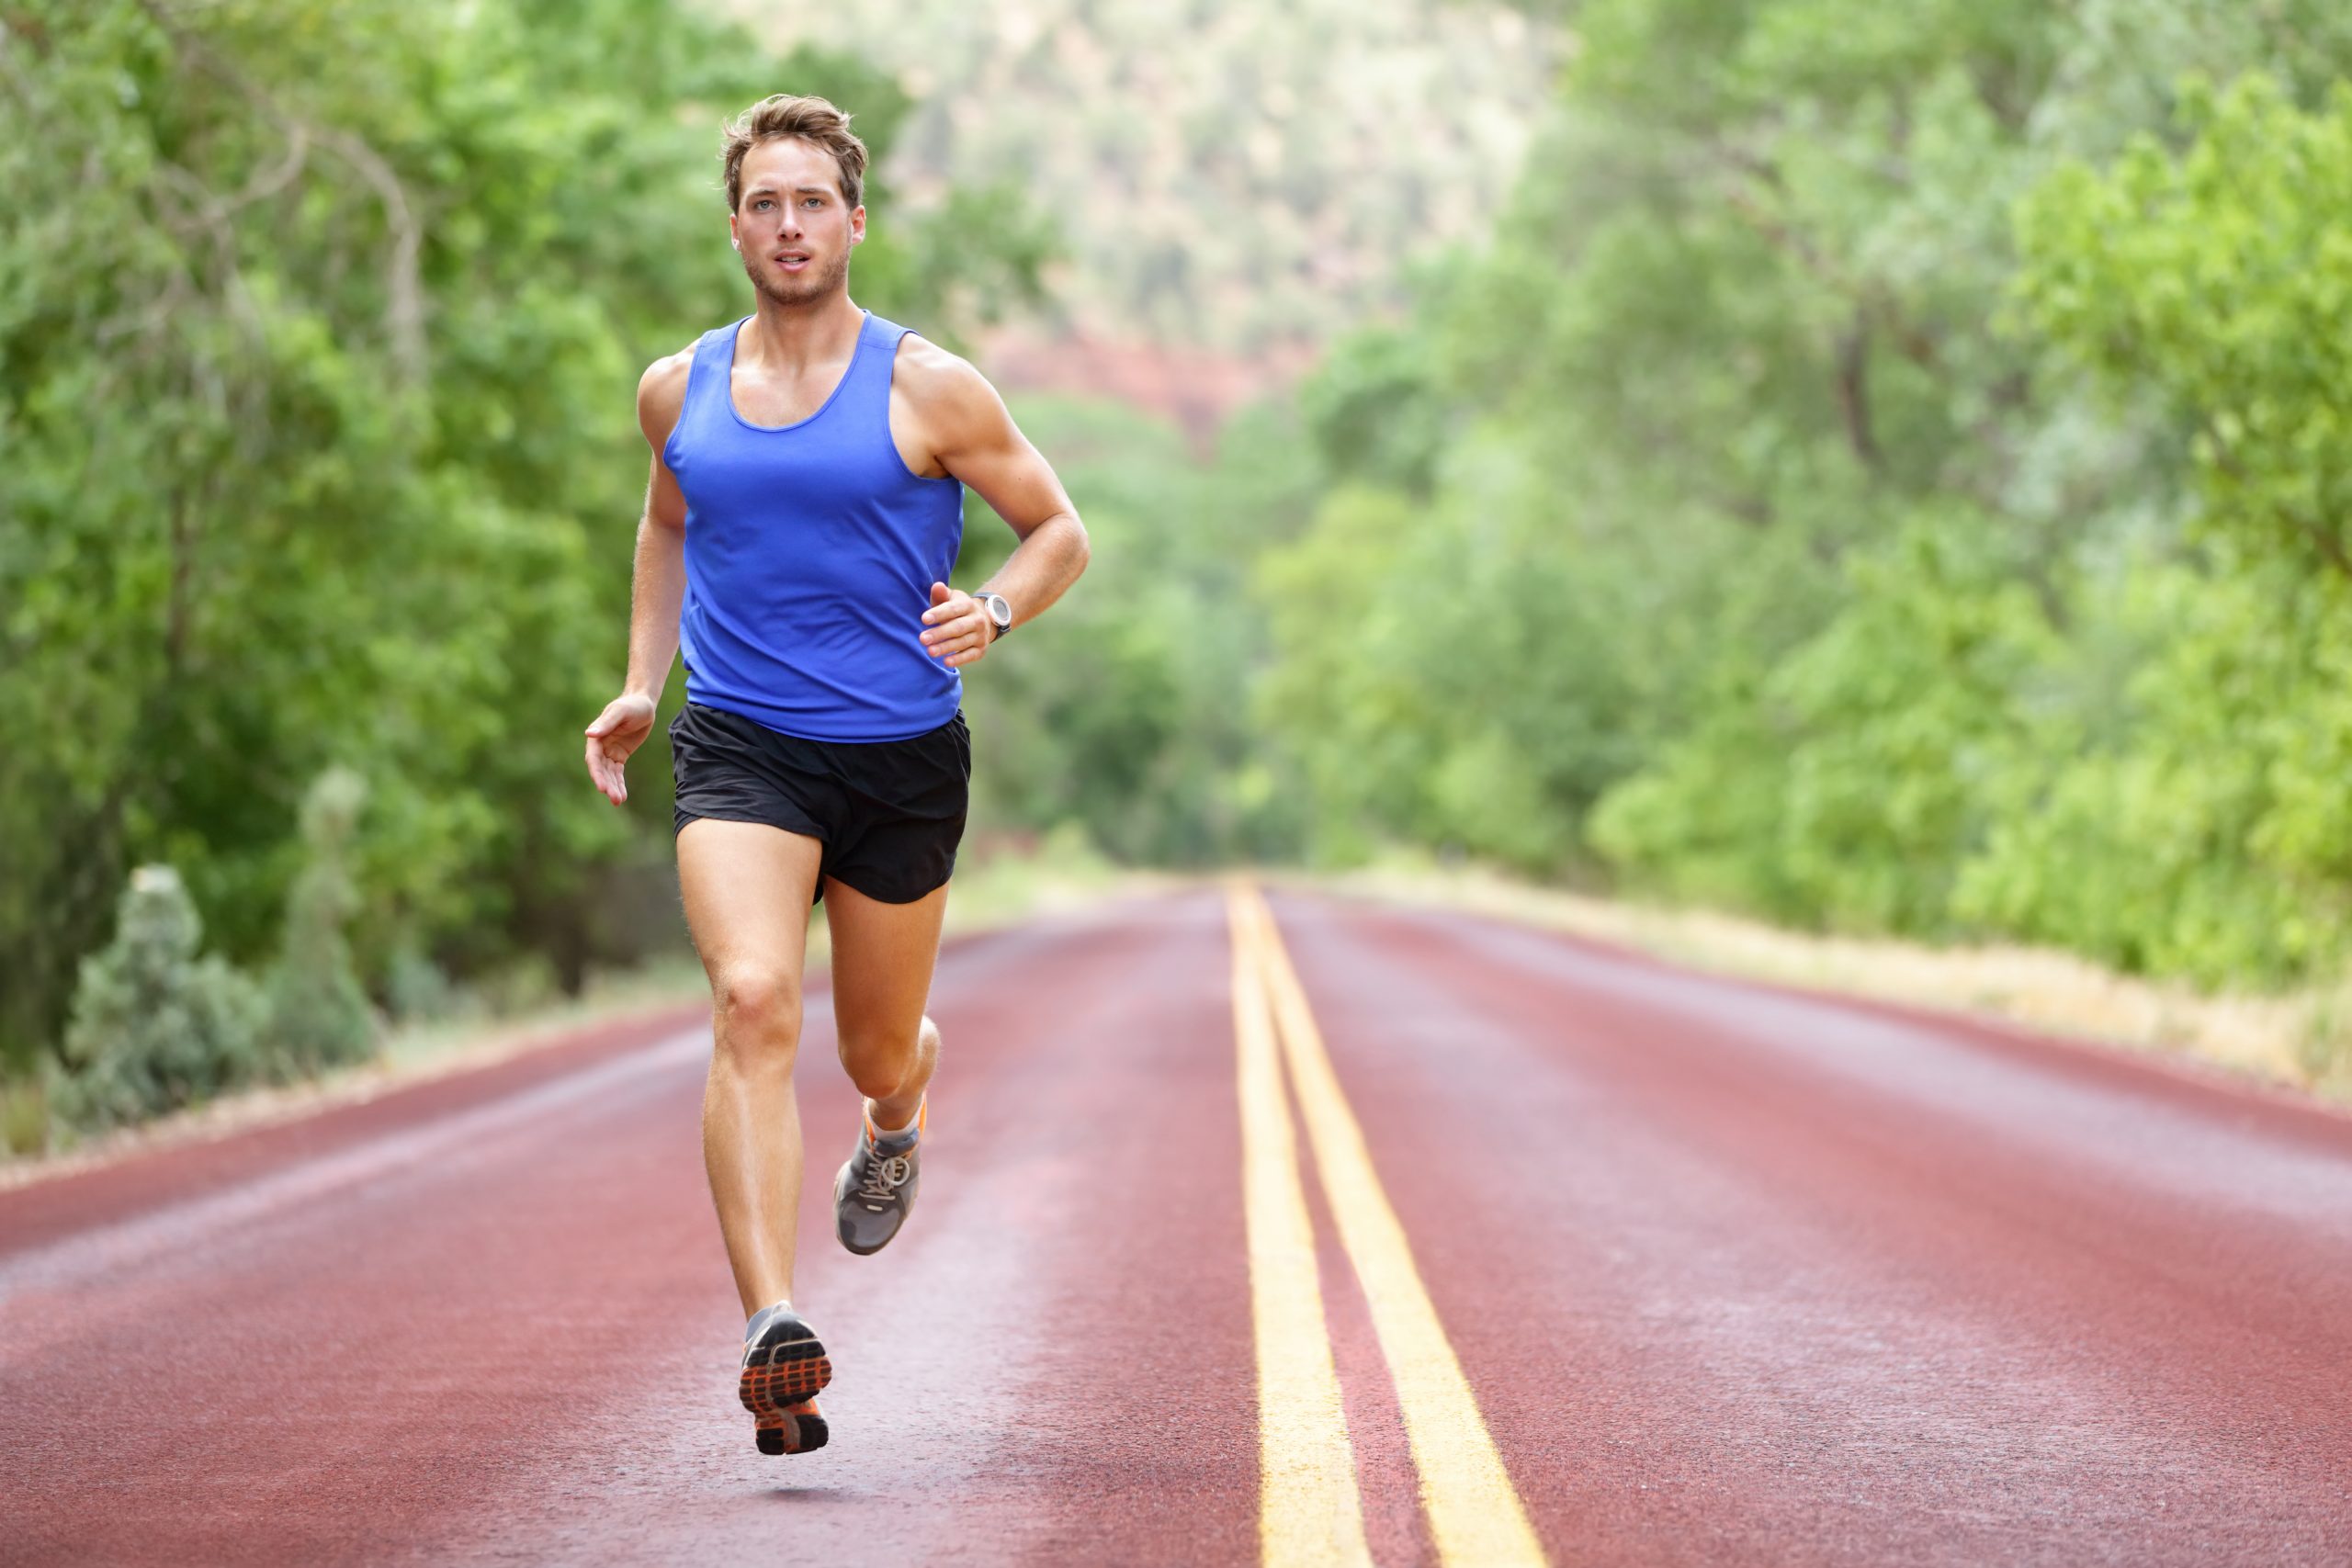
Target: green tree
(318, 328)
(2209, 836)
(1840, 393)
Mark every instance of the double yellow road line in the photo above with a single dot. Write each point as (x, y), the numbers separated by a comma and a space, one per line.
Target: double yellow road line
(1309, 1511)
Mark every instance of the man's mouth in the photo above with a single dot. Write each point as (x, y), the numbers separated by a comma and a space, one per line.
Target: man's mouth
(792, 260)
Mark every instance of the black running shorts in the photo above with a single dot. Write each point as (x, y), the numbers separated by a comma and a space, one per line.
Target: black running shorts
(890, 812)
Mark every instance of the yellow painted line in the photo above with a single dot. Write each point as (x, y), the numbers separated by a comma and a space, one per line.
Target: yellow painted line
(1476, 1515)
(1307, 1510)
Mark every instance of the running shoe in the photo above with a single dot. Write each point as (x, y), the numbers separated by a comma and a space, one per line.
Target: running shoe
(876, 1186)
(783, 1366)
(795, 1430)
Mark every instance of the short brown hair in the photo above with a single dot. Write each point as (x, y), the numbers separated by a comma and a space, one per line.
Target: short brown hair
(813, 120)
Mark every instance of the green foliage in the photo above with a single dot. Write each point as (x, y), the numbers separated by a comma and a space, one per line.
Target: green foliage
(319, 326)
(416, 990)
(2221, 278)
(155, 1026)
(1892, 478)
(2211, 837)
(1122, 710)
(1849, 789)
(24, 1116)
(1447, 671)
(318, 1016)
(2205, 835)
(1377, 412)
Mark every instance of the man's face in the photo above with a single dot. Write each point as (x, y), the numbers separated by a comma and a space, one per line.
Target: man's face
(790, 224)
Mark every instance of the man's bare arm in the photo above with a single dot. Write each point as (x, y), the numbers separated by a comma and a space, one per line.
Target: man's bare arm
(659, 577)
(973, 436)
(658, 586)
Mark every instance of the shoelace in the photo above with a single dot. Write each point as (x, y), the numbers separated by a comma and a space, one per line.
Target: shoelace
(884, 1174)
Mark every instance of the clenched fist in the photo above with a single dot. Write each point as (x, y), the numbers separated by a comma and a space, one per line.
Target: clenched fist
(955, 629)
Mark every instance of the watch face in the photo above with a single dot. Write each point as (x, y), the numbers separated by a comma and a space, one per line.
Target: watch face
(999, 611)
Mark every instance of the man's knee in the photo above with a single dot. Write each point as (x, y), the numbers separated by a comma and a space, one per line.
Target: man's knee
(882, 1063)
(756, 1010)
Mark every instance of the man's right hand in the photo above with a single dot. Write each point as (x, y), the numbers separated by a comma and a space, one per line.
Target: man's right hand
(621, 729)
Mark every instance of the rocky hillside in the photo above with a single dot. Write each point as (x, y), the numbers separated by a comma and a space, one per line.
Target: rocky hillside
(1236, 183)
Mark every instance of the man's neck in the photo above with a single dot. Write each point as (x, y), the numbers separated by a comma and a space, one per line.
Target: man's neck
(790, 338)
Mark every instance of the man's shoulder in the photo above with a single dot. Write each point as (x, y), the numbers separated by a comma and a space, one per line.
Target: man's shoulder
(948, 393)
(661, 393)
(938, 379)
(669, 371)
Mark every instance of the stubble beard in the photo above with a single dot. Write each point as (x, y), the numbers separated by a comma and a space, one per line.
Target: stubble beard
(803, 290)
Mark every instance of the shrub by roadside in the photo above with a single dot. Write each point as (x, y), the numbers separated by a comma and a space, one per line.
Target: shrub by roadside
(155, 1026)
(158, 1026)
(439, 1025)
(319, 1014)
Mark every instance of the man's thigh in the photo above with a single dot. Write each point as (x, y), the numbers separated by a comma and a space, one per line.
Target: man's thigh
(882, 959)
(747, 888)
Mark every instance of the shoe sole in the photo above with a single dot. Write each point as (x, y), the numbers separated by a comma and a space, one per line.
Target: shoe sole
(793, 1431)
(778, 1383)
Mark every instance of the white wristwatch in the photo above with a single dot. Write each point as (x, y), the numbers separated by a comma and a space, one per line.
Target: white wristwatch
(1000, 613)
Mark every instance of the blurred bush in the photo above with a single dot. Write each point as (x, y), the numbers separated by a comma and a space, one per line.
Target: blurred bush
(318, 1016)
(418, 990)
(155, 1026)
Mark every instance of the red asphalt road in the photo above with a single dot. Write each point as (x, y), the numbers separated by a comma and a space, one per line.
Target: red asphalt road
(1738, 1276)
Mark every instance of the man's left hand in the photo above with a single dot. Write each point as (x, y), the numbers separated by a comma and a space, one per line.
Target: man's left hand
(955, 629)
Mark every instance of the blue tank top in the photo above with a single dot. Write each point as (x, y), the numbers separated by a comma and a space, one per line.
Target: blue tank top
(810, 553)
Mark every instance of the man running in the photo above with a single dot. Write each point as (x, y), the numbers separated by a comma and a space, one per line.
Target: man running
(804, 508)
